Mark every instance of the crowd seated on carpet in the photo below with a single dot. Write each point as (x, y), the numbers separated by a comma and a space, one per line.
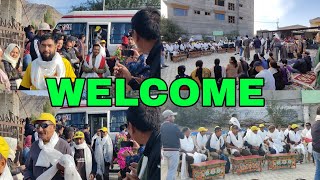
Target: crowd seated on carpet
(257, 139)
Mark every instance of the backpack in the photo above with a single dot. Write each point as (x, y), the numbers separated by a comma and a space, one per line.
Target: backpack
(280, 83)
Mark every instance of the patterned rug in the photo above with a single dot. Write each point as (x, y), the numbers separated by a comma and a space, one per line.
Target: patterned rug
(303, 81)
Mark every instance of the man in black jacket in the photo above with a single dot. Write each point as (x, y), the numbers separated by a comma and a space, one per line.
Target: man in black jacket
(143, 126)
(146, 35)
(315, 133)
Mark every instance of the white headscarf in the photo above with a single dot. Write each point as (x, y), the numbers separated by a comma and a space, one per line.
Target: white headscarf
(7, 56)
(87, 156)
(13, 143)
(41, 69)
(6, 175)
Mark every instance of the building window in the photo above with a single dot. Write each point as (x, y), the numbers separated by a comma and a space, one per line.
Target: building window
(231, 19)
(240, 5)
(196, 12)
(241, 18)
(231, 6)
(219, 2)
(180, 12)
(207, 13)
(220, 17)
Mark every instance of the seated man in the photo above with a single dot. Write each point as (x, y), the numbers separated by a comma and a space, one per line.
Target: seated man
(235, 143)
(295, 141)
(217, 147)
(202, 140)
(254, 142)
(274, 141)
(189, 153)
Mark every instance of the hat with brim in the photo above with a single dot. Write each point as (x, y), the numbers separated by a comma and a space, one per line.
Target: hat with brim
(257, 64)
(202, 129)
(45, 117)
(294, 126)
(168, 113)
(4, 148)
(97, 28)
(261, 125)
(44, 27)
(103, 42)
(104, 129)
(78, 135)
(254, 128)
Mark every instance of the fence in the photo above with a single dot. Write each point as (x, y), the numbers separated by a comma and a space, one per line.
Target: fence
(11, 32)
(12, 126)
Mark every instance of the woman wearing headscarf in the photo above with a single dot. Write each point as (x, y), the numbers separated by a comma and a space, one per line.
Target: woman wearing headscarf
(11, 65)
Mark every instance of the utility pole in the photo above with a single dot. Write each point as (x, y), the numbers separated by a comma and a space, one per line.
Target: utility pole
(103, 5)
(278, 24)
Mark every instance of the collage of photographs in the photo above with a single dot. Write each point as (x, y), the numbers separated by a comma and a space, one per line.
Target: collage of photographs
(172, 40)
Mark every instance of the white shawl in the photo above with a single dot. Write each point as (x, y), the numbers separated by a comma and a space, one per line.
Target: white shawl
(90, 65)
(236, 142)
(277, 140)
(87, 156)
(41, 69)
(262, 134)
(187, 144)
(103, 152)
(235, 121)
(202, 141)
(253, 139)
(296, 137)
(6, 175)
(215, 142)
(48, 155)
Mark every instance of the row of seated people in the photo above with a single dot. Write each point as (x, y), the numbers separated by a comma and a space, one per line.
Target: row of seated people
(255, 141)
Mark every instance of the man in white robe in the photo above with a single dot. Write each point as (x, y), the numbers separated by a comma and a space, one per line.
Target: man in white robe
(235, 143)
(295, 141)
(217, 147)
(189, 154)
(274, 141)
(201, 140)
(307, 139)
(5, 173)
(254, 142)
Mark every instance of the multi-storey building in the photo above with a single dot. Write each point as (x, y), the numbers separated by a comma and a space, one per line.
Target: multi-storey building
(211, 17)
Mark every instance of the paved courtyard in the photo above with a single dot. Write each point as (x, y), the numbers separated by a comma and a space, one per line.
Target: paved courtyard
(303, 171)
(168, 74)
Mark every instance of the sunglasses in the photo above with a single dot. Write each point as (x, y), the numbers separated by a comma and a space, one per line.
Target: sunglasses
(42, 125)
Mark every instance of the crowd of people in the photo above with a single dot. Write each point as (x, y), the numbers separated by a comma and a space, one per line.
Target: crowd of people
(50, 54)
(53, 150)
(179, 145)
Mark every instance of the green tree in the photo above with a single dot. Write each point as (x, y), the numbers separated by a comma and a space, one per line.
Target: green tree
(279, 114)
(170, 31)
(47, 108)
(47, 18)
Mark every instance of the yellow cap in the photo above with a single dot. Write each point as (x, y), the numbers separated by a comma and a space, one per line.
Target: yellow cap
(103, 41)
(4, 148)
(97, 28)
(254, 128)
(202, 129)
(261, 125)
(293, 126)
(78, 134)
(104, 129)
(45, 117)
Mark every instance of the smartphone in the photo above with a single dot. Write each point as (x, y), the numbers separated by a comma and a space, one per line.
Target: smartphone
(126, 144)
(127, 53)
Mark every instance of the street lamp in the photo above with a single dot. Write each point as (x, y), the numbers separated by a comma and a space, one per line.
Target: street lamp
(103, 5)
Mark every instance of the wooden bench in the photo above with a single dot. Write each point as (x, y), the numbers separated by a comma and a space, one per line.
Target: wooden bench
(208, 170)
(246, 164)
(194, 54)
(180, 57)
(221, 50)
(282, 161)
(231, 50)
(206, 53)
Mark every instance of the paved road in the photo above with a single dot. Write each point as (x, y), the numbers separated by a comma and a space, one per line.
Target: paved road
(303, 171)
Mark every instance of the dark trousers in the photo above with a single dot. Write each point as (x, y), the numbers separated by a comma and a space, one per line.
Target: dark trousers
(259, 152)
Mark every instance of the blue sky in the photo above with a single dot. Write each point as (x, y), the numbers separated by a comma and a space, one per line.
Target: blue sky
(289, 12)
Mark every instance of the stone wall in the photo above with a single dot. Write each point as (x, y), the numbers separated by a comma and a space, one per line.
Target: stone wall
(9, 103)
(11, 9)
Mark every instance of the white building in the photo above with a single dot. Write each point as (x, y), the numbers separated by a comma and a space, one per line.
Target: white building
(211, 17)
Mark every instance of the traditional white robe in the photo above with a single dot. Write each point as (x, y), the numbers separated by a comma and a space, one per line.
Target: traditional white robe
(296, 137)
(215, 142)
(262, 134)
(231, 138)
(234, 121)
(277, 141)
(201, 141)
(253, 139)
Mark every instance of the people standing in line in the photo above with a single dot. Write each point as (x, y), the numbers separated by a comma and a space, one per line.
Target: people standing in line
(170, 138)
